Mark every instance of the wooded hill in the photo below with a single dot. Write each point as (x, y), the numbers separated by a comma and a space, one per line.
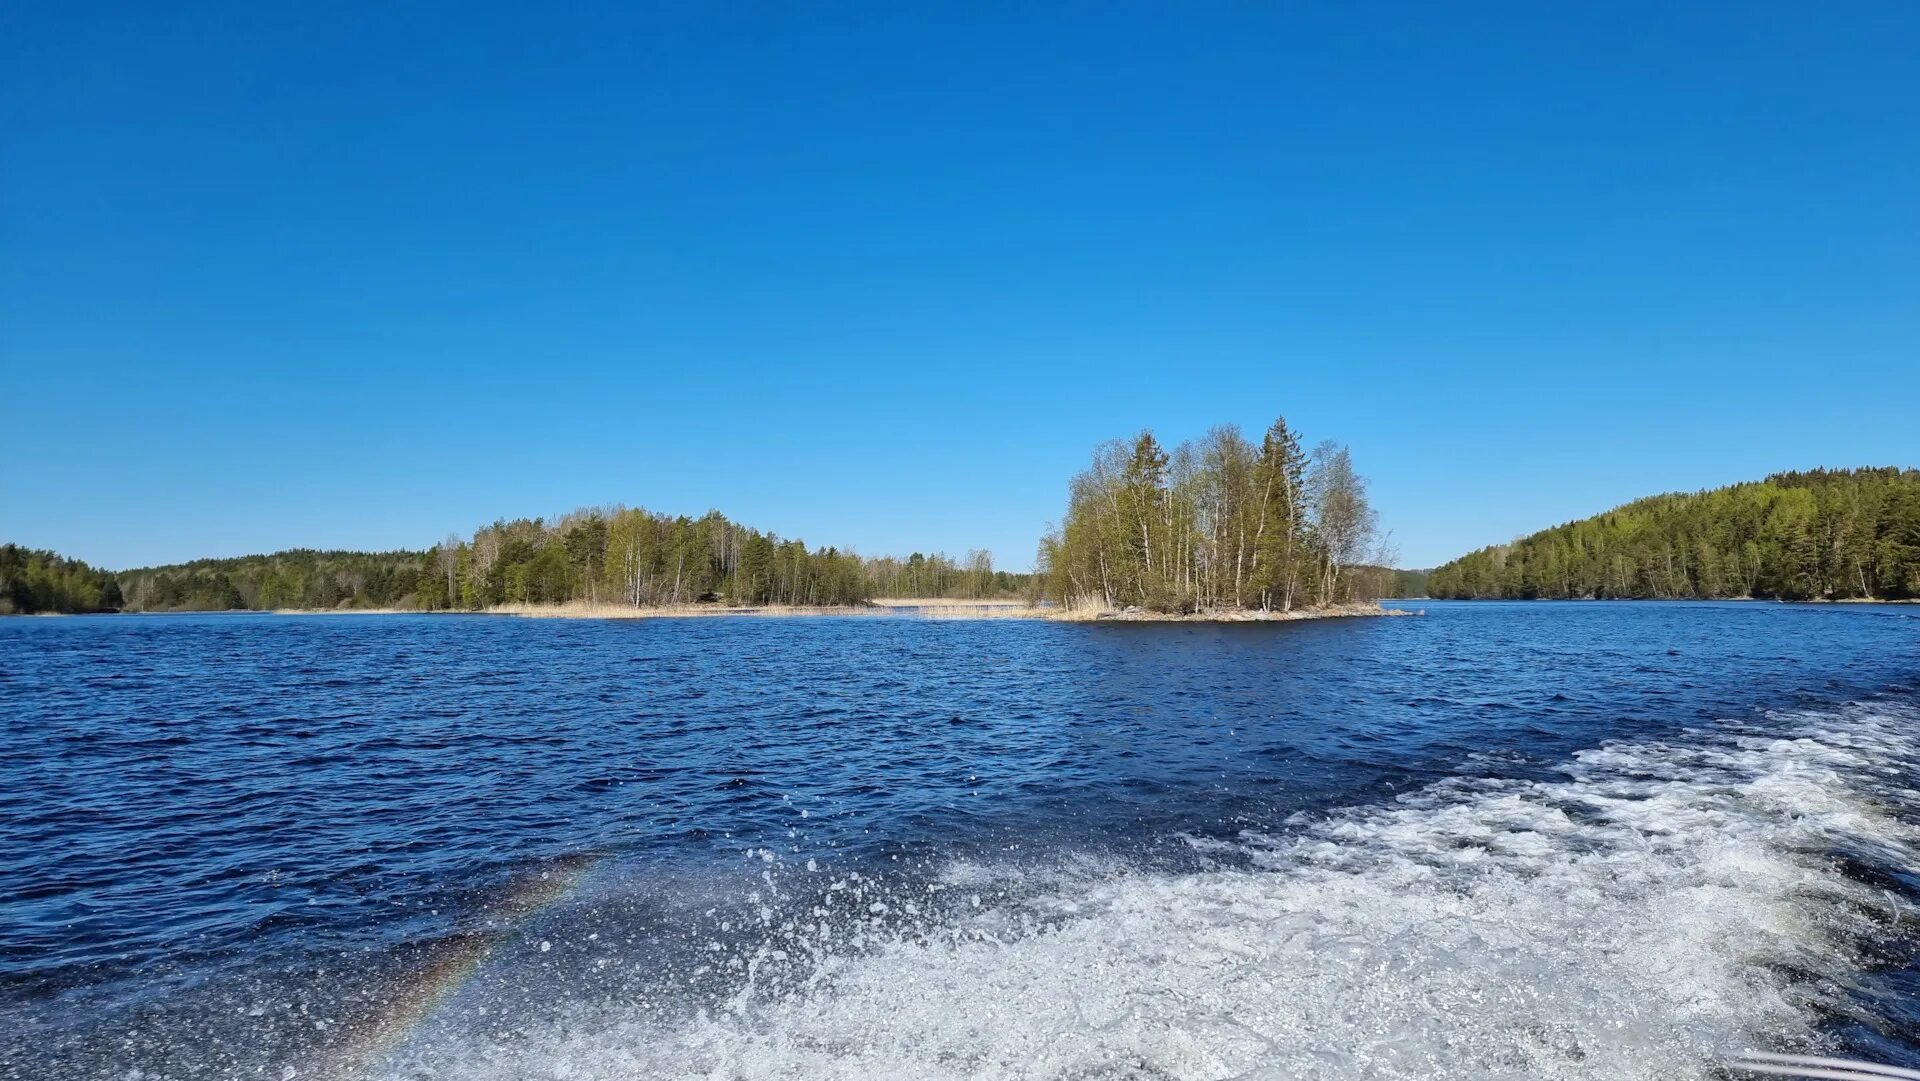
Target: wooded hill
(1825, 534)
(299, 578)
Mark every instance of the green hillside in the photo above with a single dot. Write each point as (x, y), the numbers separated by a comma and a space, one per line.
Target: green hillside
(1824, 534)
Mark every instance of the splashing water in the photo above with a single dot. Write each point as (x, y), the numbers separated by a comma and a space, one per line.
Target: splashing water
(1657, 910)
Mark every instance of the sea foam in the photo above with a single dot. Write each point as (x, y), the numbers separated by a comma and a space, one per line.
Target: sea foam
(1653, 910)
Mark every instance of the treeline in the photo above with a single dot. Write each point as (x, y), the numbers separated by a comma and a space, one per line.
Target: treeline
(636, 557)
(613, 555)
(939, 576)
(1825, 534)
(34, 580)
(300, 578)
(1217, 523)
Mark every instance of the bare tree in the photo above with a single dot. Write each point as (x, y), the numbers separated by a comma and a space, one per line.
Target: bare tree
(1344, 522)
(449, 559)
(979, 572)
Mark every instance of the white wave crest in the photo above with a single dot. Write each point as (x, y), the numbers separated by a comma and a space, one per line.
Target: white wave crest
(1659, 909)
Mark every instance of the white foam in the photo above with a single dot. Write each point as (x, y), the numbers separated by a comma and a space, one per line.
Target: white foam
(1640, 919)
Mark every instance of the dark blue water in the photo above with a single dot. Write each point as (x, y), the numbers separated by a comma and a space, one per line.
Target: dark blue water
(1531, 840)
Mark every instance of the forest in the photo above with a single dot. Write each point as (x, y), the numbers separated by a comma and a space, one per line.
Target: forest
(1215, 524)
(1408, 583)
(1820, 535)
(300, 578)
(32, 580)
(615, 555)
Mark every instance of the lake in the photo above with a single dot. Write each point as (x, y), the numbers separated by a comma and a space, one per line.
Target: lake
(1608, 840)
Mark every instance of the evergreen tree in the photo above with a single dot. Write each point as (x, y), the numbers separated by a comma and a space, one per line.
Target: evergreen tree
(1282, 517)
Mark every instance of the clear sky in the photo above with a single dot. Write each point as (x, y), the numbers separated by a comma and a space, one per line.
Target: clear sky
(357, 276)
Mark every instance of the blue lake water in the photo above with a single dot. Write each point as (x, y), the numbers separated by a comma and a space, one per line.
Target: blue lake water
(1499, 840)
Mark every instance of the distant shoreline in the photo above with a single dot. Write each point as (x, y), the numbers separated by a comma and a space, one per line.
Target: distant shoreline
(961, 609)
(1667, 600)
(938, 608)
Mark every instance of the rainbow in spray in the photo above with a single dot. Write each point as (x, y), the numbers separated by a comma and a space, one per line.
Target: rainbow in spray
(451, 965)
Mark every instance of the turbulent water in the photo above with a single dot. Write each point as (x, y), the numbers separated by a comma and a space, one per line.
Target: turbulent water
(1499, 841)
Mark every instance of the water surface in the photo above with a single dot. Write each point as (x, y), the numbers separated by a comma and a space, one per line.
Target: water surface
(1502, 840)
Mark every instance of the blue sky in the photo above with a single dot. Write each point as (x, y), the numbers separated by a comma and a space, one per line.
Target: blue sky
(344, 276)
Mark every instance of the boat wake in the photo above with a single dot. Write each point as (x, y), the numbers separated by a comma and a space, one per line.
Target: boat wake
(1654, 911)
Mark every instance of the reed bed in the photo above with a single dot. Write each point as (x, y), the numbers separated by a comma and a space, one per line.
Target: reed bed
(584, 610)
